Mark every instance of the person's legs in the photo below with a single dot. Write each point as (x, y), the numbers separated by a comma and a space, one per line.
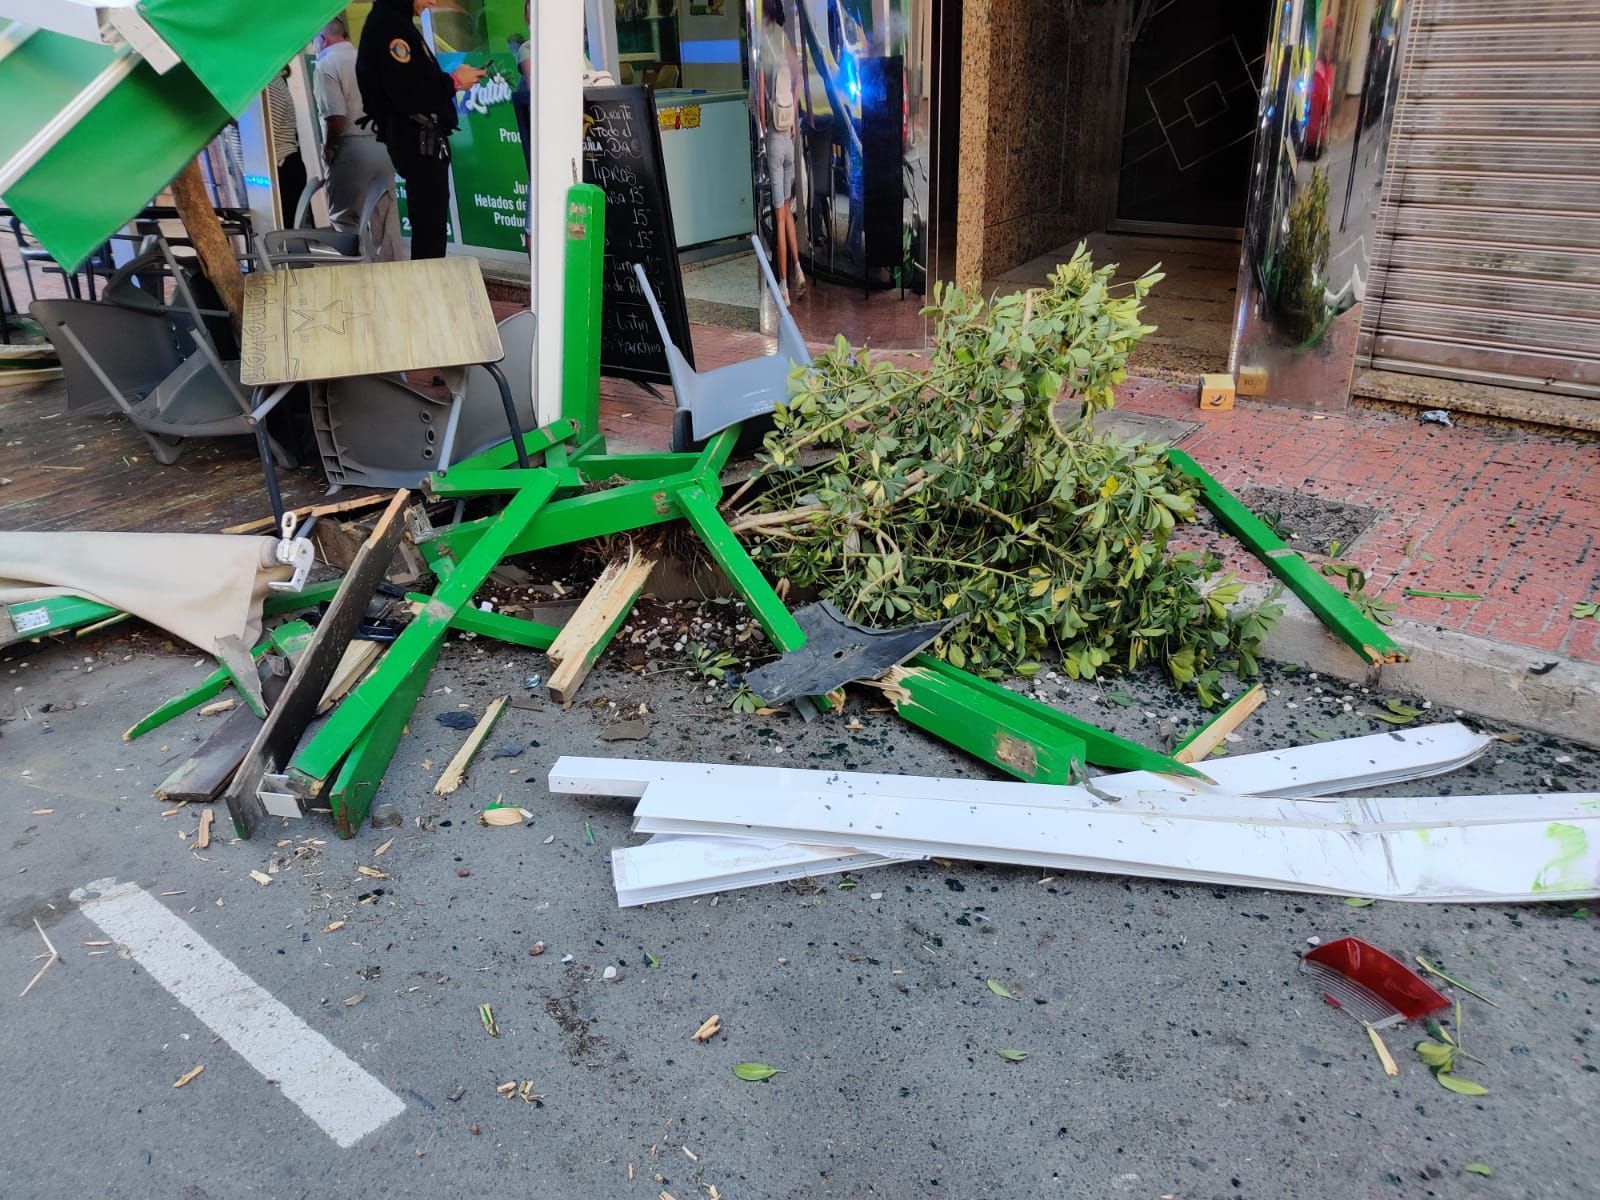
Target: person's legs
(428, 205)
(780, 226)
(291, 183)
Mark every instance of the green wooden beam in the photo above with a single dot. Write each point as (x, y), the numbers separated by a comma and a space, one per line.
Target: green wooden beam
(580, 310)
(461, 484)
(598, 468)
(519, 632)
(1357, 630)
(1018, 735)
(361, 774)
(288, 639)
(314, 764)
(539, 441)
(770, 612)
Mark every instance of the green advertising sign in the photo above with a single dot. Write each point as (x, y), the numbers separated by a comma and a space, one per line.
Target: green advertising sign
(489, 165)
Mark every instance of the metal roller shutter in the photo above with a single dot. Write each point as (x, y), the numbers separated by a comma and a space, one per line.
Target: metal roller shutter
(1487, 263)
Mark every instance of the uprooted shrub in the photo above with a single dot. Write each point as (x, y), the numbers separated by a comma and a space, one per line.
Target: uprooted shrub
(971, 484)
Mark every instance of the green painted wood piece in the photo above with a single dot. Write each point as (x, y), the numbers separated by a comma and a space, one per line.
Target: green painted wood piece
(516, 630)
(31, 619)
(580, 309)
(314, 764)
(539, 441)
(770, 612)
(599, 468)
(460, 484)
(1358, 631)
(597, 514)
(1016, 734)
(288, 639)
(356, 783)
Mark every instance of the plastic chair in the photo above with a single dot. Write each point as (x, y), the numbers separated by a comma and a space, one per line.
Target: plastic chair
(139, 359)
(710, 401)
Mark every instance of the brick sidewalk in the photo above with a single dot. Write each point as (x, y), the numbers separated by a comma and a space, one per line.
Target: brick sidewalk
(1511, 515)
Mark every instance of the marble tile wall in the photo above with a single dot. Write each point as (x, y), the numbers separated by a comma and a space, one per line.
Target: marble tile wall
(1037, 102)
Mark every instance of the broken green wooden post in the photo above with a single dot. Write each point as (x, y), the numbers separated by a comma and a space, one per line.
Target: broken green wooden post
(597, 514)
(770, 612)
(357, 781)
(580, 310)
(31, 619)
(519, 632)
(288, 639)
(1358, 631)
(540, 441)
(1019, 735)
(463, 484)
(311, 768)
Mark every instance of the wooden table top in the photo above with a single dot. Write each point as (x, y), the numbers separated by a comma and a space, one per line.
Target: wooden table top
(365, 319)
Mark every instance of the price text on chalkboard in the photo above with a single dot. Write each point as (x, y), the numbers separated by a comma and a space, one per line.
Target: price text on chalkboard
(622, 156)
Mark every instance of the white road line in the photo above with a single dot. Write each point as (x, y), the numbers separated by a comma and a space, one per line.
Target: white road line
(329, 1087)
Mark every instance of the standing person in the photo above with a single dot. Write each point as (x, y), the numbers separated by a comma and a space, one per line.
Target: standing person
(354, 158)
(411, 101)
(291, 170)
(777, 101)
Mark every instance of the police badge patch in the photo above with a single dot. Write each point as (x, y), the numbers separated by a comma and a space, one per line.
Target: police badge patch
(400, 50)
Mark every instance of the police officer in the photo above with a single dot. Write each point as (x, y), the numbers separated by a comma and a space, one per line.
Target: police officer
(411, 100)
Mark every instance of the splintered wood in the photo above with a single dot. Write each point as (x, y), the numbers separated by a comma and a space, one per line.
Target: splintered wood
(1229, 719)
(456, 771)
(585, 636)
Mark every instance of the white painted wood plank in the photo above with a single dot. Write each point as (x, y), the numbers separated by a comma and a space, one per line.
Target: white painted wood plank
(1542, 856)
(674, 868)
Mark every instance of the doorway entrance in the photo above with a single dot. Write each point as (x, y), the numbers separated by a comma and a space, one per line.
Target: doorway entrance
(1193, 88)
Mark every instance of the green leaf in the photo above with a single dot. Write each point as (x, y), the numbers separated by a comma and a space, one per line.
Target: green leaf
(1461, 1087)
(999, 989)
(1012, 1056)
(1436, 1054)
(1121, 698)
(1479, 1169)
(1356, 901)
(651, 960)
(755, 1072)
(1402, 710)
(1393, 719)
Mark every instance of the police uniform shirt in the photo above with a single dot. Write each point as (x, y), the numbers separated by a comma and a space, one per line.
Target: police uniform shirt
(398, 74)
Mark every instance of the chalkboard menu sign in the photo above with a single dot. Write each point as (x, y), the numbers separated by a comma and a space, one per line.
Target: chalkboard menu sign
(622, 156)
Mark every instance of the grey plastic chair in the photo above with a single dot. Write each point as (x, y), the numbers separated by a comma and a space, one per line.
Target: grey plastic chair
(517, 333)
(165, 378)
(374, 431)
(711, 401)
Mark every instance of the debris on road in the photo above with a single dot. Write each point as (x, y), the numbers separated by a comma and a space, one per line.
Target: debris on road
(456, 770)
(189, 1076)
(1373, 987)
(709, 1029)
(486, 1015)
(50, 959)
(261, 877)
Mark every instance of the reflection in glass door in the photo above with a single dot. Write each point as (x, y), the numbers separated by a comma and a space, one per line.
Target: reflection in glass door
(1194, 72)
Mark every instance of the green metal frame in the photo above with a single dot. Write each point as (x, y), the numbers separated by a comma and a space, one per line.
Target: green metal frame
(1358, 631)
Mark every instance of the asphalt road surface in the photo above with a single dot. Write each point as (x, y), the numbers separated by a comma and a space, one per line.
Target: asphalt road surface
(1172, 1047)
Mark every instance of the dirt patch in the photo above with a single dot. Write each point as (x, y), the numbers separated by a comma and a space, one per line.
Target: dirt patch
(1310, 524)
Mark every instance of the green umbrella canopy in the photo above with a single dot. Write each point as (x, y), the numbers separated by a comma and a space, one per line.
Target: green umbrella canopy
(91, 132)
